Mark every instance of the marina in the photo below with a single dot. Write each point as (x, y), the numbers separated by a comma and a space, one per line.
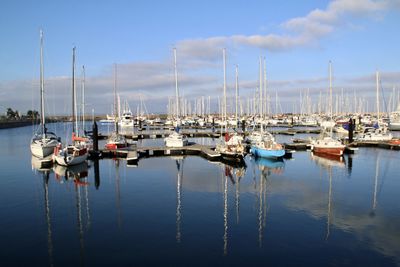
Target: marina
(201, 133)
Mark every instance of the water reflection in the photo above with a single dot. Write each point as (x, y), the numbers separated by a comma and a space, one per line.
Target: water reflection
(118, 192)
(245, 193)
(266, 167)
(328, 162)
(76, 173)
(225, 201)
(179, 166)
(79, 175)
(44, 169)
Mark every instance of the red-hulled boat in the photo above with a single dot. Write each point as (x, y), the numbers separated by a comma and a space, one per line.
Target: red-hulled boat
(328, 146)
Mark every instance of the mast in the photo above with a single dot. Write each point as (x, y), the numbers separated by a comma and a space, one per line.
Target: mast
(176, 85)
(115, 99)
(266, 107)
(74, 120)
(261, 88)
(224, 100)
(237, 92)
(42, 119)
(377, 95)
(83, 98)
(261, 94)
(330, 89)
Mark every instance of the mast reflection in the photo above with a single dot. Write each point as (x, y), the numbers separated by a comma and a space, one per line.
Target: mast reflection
(266, 167)
(118, 193)
(225, 214)
(179, 165)
(234, 173)
(45, 170)
(79, 175)
(328, 162)
(374, 196)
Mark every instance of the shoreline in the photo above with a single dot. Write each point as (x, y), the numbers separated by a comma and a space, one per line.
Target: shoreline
(16, 124)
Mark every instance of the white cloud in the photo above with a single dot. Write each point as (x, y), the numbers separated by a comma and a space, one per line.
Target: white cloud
(297, 32)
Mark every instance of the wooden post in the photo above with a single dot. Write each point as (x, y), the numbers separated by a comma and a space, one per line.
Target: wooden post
(351, 129)
(95, 137)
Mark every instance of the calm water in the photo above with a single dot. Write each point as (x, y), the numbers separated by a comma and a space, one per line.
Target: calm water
(308, 211)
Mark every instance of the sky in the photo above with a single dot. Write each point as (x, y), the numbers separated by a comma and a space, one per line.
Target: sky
(297, 39)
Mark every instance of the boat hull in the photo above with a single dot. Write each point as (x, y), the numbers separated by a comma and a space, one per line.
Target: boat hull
(175, 143)
(114, 146)
(175, 140)
(267, 153)
(335, 151)
(42, 150)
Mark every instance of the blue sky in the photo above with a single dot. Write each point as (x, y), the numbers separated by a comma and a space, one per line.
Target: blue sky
(298, 38)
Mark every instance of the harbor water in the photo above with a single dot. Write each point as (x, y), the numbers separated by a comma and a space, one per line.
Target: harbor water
(187, 211)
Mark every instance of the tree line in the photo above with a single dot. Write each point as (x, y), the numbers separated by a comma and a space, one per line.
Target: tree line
(16, 115)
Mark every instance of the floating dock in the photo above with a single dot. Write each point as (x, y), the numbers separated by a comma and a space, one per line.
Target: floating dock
(379, 144)
(157, 134)
(132, 155)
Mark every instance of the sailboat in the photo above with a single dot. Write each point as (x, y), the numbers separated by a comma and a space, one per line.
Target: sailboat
(231, 147)
(43, 142)
(176, 139)
(376, 133)
(82, 138)
(326, 144)
(264, 144)
(116, 140)
(77, 152)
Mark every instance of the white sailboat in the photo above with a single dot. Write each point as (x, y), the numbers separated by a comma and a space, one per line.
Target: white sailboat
(43, 142)
(77, 152)
(116, 140)
(231, 147)
(376, 133)
(326, 144)
(176, 139)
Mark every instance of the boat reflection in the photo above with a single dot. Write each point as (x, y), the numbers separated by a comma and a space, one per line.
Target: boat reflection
(328, 160)
(273, 166)
(77, 173)
(234, 173)
(41, 165)
(44, 168)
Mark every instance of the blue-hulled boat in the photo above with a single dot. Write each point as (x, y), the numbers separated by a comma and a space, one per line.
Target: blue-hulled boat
(267, 153)
(268, 148)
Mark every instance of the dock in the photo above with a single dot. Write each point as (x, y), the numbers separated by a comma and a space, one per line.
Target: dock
(157, 134)
(133, 155)
(379, 144)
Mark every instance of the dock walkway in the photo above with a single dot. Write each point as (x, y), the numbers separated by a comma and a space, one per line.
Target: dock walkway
(134, 154)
